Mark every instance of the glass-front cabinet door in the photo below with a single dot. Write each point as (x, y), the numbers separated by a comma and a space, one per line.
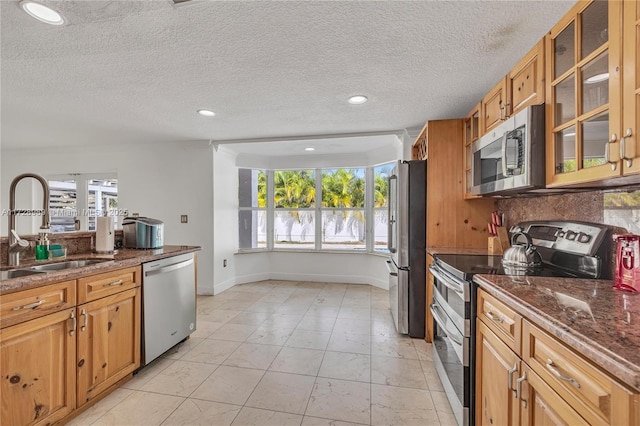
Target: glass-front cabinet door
(583, 97)
(630, 145)
(471, 134)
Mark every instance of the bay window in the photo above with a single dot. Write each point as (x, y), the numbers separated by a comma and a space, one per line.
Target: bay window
(313, 209)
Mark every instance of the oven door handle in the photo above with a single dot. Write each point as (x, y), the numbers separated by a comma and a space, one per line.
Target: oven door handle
(447, 282)
(442, 323)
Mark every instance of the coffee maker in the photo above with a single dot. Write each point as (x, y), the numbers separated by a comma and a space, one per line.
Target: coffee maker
(627, 276)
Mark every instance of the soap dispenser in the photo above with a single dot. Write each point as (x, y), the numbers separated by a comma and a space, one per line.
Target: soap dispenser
(42, 247)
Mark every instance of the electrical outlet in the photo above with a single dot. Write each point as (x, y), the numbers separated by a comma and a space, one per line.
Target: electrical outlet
(184, 218)
(224, 263)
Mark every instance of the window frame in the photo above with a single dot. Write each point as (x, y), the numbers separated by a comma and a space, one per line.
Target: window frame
(318, 209)
(82, 193)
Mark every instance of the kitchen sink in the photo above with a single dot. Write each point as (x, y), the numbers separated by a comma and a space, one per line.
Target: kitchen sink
(66, 265)
(17, 273)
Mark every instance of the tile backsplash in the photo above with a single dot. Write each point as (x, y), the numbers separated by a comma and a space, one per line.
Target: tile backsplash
(619, 209)
(75, 243)
(583, 206)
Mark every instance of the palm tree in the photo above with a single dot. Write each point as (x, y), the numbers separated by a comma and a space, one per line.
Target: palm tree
(343, 188)
(262, 189)
(294, 189)
(380, 190)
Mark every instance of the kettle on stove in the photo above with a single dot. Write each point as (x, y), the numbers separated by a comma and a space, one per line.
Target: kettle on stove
(521, 255)
(627, 275)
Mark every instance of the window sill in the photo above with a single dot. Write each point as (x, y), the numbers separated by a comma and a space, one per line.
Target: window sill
(307, 251)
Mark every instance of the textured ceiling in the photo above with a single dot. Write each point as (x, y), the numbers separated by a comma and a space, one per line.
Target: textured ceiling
(136, 71)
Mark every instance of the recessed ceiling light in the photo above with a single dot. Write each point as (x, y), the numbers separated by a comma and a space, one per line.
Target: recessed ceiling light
(358, 99)
(206, 113)
(598, 78)
(42, 13)
(309, 149)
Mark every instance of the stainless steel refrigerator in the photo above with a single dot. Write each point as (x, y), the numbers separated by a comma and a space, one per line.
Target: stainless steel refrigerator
(407, 236)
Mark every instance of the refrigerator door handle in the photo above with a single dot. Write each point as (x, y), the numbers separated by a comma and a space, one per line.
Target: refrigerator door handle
(391, 213)
(392, 271)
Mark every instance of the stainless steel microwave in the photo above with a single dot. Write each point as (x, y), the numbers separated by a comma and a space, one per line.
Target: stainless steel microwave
(509, 160)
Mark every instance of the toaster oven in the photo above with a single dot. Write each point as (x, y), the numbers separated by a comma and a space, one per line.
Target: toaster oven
(143, 233)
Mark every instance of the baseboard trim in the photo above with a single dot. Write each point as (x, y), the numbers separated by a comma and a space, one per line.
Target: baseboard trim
(286, 276)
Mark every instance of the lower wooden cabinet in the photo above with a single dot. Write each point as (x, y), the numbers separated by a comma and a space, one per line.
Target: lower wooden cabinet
(537, 380)
(37, 360)
(57, 362)
(541, 405)
(508, 392)
(108, 342)
(497, 367)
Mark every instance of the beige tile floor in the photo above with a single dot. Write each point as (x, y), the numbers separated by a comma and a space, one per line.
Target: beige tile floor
(285, 353)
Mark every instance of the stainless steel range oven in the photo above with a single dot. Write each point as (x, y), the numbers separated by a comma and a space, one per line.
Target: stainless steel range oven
(453, 311)
(563, 253)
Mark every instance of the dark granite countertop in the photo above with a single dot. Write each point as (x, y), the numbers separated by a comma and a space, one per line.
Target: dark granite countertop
(120, 259)
(596, 321)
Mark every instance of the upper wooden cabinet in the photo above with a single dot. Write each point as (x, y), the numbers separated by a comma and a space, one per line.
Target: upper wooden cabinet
(493, 107)
(592, 94)
(630, 145)
(472, 125)
(525, 82)
(521, 87)
(419, 149)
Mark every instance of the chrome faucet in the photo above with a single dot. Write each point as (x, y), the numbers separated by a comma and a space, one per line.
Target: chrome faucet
(16, 244)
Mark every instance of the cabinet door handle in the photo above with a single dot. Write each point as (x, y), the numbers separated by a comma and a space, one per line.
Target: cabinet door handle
(29, 306)
(118, 282)
(510, 375)
(553, 368)
(83, 313)
(623, 148)
(74, 323)
(494, 317)
(519, 388)
(607, 155)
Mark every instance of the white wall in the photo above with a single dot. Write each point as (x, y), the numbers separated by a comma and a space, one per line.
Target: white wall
(357, 268)
(161, 181)
(164, 181)
(225, 205)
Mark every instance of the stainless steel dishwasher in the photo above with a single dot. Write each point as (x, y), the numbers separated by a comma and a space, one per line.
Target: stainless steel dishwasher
(169, 303)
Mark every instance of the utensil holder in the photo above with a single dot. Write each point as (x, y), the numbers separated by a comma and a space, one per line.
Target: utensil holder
(503, 237)
(494, 246)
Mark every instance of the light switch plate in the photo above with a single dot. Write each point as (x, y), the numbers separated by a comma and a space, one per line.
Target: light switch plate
(184, 218)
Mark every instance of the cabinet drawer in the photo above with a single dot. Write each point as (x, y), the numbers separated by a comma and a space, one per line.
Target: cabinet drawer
(36, 302)
(502, 320)
(589, 390)
(97, 286)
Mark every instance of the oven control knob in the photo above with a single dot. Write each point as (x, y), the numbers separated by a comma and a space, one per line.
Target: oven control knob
(559, 234)
(584, 238)
(570, 235)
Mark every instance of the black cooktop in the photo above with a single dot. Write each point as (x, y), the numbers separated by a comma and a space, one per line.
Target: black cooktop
(465, 266)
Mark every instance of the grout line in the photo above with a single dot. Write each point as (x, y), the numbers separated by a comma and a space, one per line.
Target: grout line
(371, 373)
